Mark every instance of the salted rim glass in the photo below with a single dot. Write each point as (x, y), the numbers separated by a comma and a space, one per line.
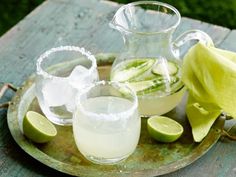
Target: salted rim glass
(127, 93)
(55, 65)
(103, 133)
(45, 55)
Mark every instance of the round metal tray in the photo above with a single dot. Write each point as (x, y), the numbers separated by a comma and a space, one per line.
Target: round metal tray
(150, 158)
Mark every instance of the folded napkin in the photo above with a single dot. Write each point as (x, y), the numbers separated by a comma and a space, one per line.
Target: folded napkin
(209, 74)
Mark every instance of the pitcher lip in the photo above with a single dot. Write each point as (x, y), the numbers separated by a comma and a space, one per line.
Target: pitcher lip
(113, 23)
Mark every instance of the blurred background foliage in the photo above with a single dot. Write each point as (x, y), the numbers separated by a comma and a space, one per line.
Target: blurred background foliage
(220, 12)
(12, 11)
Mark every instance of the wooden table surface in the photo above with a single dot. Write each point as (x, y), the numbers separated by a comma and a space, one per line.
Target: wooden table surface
(85, 23)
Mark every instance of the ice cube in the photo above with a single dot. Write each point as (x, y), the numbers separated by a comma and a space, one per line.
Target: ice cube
(78, 73)
(77, 77)
(71, 104)
(56, 92)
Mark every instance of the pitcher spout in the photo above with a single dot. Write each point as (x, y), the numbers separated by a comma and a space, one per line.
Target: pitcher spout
(123, 19)
(118, 22)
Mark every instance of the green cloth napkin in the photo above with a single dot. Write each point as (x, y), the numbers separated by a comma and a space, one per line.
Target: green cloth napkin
(210, 76)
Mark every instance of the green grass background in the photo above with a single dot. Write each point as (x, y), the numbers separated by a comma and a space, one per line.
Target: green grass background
(220, 12)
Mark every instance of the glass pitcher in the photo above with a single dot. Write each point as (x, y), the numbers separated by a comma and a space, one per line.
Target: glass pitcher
(150, 63)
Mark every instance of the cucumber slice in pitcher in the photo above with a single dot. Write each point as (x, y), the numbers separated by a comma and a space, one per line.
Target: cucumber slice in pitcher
(141, 85)
(149, 86)
(163, 68)
(130, 69)
(160, 85)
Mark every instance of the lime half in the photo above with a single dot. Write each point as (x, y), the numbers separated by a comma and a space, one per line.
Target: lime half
(38, 128)
(164, 129)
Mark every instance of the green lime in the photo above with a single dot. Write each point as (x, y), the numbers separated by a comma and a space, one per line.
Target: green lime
(164, 129)
(38, 128)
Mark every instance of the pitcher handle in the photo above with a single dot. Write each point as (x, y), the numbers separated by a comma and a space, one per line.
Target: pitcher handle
(199, 35)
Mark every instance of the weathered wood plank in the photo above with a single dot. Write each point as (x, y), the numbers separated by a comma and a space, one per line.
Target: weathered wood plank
(83, 23)
(229, 42)
(217, 33)
(50, 25)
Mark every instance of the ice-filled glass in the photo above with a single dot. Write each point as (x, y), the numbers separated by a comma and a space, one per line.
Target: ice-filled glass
(61, 73)
(106, 123)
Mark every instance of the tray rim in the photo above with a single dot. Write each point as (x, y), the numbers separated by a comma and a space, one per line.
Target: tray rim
(33, 151)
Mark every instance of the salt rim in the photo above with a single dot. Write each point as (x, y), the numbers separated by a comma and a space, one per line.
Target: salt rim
(89, 56)
(109, 116)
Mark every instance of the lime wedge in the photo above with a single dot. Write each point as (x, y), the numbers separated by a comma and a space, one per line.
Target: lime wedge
(164, 129)
(38, 128)
(130, 69)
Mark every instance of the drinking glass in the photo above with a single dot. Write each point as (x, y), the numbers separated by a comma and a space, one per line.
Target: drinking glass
(106, 123)
(61, 73)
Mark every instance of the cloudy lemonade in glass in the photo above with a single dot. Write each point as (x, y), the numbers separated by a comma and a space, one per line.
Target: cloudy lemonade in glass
(106, 124)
